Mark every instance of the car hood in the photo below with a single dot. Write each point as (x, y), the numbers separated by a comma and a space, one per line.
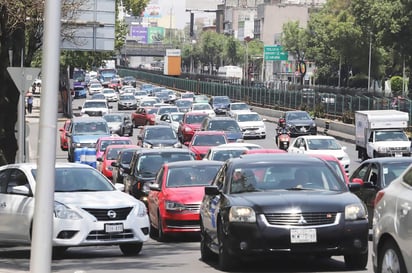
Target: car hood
(200, 149)
(94, 199)
(127, 101)
(88, 138)
(303, 122)
(251, 124)
(220, 105)
(336, 153)
(233, 136)
(160, 142)
(193, 126)
(304, 200)
(94, 109)
(187, 194)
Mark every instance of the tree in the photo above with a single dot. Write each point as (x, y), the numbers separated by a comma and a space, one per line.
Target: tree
(21, 31)
(212, 45)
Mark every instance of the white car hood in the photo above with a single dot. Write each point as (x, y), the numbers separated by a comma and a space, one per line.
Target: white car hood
(94, 199)
(247, 124)
(336, 153)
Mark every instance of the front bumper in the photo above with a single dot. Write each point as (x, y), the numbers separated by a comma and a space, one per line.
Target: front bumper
(184, 221)
(261, 238)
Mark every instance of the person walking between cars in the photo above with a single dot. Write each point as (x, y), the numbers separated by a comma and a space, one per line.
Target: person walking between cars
(29, 102)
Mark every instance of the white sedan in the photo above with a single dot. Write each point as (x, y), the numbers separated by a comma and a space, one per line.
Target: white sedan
(88, 209)
(251, 124)
(317, 144)
(203, 107)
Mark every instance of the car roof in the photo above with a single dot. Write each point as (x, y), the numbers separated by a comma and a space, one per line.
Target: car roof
(87, 119)
(221, 118)
(282, 157)
(113, 137)
(163, 150)
(193, 163)
(265, 151)
(389, 159)
(317, 137)
(114, 146)
(209, 133)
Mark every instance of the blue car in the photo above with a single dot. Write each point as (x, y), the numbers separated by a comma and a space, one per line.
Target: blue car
(220, 104)
(79, 92)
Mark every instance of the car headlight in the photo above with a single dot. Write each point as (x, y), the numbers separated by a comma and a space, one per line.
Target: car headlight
(77, 144)
(313, 125)
(355, 212)
(177, 145)
(242, 214)
(63, 212)
(147, 145)
(170, 205)
(140, 210)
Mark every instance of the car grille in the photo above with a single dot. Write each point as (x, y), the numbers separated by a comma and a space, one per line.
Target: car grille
(250, 129)
(94, 113)
(398, 149)
(100, 235)
(195, 224)
(103, 214)
(301, 219)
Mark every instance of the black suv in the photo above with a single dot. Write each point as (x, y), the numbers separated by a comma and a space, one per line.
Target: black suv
(144, 166)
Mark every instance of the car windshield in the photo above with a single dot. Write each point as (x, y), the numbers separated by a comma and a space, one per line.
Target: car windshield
(323, 144)
(113, 118)
(224, 125)
(113, 153)
(193, 119)
(108, 91)
(239, 106)
(163, 110)
(208, 140)
(140, 93)
(152, 111)
(393, 170)
(226, 154)
(191, 176)
(78, 180)
(336, 166)
(390, 136)
(183, 103)
(221, 100)
(177, 117)
(298, 116)
(160, 133)
(126, 157)
(108, 142)
(248, 117)
(149, 164)
(90, 128)
(127, 97)
(203, 106)
(95, 104)
(285, 176)
(187, 95)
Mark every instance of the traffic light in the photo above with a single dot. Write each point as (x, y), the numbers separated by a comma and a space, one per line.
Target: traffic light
(192, 21)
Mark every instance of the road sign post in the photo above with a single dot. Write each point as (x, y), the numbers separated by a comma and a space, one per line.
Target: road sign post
(23, 77)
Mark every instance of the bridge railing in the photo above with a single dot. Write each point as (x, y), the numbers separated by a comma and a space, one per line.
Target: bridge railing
(321, 104)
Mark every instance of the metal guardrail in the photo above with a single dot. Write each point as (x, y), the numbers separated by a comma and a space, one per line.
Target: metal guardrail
(320, 104)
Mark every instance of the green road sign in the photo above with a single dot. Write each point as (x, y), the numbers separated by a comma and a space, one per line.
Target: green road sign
(275, 53)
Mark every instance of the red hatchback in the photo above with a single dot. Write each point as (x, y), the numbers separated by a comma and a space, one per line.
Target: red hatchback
(174, 198)
(189, 125)
(109, 156)
(63, 138)
(202, 141)
(144, 116)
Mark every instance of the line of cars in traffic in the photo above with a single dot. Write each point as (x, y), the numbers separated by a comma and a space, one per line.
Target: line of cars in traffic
(243, 204)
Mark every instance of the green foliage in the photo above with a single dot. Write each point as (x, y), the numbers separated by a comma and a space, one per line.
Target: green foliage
(135, 6)
(358, 81)
(396, 85)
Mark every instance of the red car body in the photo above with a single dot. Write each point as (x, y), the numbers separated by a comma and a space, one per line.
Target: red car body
(109, 156)
(63, 138)
(115, 84)
(175, 197)
(202, 141)
(189, 125)
(144, 116)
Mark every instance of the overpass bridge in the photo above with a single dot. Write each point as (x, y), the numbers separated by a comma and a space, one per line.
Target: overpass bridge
(154, 50)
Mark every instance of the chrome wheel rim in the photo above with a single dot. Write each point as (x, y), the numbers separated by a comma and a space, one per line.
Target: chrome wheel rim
(390, 262)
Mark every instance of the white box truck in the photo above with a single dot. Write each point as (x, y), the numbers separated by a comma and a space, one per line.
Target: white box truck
(381, 133)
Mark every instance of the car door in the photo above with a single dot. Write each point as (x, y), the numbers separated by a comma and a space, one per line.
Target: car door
(16, 210)
(369, 189)
(298, 146)
(155, 198)
(404, 217)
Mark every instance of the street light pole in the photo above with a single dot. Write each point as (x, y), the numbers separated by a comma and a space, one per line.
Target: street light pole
(370, 58)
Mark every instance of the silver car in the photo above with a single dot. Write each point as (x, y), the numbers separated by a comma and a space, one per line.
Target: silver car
(392, 226)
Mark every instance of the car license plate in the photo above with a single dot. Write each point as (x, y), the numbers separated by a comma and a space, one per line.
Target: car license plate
(398, 154)
(113, 228)
(303, 235)
(303, 129)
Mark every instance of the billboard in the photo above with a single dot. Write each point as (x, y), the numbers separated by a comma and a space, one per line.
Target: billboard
(139, 33)
(203, 4)
(152, 11)
(155, 35)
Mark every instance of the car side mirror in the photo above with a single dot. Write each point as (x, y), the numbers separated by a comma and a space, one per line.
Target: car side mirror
(353, 187)
(211, 190)
(114, 164)
(154, 187)
(357, 181)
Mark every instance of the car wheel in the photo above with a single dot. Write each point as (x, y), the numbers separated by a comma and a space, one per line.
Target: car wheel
(390, 259)
(226, 261)
(205, 253)
(356, 261)
(161, 236)
(131, 249)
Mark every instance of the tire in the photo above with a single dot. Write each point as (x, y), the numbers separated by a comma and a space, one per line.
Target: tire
(161, 236)
(132, 249)
(226, 261)
(356, 261)
(205, 253)
(390, 259)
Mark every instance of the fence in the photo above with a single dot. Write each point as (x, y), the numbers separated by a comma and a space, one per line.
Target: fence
(321, 104)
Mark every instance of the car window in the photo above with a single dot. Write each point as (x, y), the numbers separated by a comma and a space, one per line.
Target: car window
(3, 181)
(407, 177)
(392, 171)
(360, 173)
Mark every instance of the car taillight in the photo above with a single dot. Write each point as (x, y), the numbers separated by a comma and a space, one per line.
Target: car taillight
(378, 197)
